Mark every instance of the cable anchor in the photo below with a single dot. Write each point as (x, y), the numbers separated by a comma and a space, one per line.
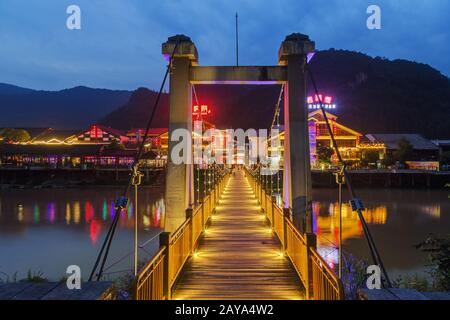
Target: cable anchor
(356, 204)
(136, 176)
(340, 176)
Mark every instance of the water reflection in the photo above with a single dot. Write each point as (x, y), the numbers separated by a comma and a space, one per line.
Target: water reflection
(47, 230)
(90, 213)
(50, 229)
(398, 220)
(327, 221)
(326, 226)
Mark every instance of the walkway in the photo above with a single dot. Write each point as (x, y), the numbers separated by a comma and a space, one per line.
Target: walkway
(238, 256)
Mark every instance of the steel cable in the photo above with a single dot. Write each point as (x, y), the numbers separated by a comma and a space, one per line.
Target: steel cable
(371, 243)
(109, 236)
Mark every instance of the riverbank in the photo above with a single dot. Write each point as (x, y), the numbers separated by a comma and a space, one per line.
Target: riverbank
(21, 178)
(395, 179)
(15, 178)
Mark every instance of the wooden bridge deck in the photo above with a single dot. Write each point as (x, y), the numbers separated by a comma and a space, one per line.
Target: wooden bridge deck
(238, 256)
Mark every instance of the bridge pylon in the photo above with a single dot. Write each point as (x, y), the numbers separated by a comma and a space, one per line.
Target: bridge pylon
(179, 192)
(185, 71)
(293, 54)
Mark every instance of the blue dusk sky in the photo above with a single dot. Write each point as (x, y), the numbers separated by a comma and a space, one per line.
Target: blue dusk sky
(119, 44)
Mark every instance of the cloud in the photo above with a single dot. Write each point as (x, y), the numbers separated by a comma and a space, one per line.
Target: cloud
(119, 45)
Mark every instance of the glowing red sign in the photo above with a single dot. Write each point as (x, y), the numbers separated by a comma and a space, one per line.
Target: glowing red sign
(314, 102)
(318, 98)
(202, 110)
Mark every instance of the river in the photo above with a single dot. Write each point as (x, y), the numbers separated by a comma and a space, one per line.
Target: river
(46, 230)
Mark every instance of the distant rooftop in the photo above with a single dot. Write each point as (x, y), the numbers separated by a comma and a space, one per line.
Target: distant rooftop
(391, 140)
(441, 142)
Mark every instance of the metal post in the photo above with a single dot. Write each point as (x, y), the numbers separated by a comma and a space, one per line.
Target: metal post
(136, 181)
(135, 230)
(340, 180)
(286, 216)
(206, 179)
(311, 241)
(164, 240)
(237, 41)
(189, 214)
(198, 184)
(340, 231)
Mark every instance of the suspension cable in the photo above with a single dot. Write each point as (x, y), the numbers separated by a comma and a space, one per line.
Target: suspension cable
(276, 121)
(276, 115)
(195, 96)
(371, 243)
(122, 202)
(141, 246)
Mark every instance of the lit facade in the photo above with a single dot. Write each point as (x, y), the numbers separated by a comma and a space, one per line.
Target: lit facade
(74, 149)
(350, 142)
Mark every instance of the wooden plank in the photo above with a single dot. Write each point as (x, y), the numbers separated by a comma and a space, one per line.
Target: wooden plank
(238, 257)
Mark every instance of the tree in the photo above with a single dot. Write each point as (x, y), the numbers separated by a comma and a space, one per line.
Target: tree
(14, 135)
(324, 153)
(404, 151)
(438, 250)
(388, 160)
(445, 157)
(370, 156)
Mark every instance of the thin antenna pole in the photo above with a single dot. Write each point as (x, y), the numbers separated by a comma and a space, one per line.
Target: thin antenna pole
(237, 40)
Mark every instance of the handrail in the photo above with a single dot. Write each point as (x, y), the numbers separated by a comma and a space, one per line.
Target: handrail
(278, 222)
(149, 281)
(179, 250)
(326, 285)
(179, 232)
(296, 250)
(197, 223)
(319, 280)
(155, 280)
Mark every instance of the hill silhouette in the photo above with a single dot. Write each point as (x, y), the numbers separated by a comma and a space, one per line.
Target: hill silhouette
(74, 108)
(374, 95)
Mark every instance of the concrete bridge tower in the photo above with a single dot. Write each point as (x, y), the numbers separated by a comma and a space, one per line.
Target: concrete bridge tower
(292, 58)
(293, 54)
(179, 177)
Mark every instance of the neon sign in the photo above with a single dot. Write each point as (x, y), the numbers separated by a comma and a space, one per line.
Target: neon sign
(202, 110)
(314, 102)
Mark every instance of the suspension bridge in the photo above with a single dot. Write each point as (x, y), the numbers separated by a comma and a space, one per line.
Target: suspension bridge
(237, 242)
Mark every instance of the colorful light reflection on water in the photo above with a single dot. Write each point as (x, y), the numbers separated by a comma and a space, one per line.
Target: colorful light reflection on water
(87, 213)
(398, 220)
(48, 229)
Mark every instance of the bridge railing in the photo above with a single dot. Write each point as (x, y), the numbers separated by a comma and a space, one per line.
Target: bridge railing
(180, 247)
(150, 280)
(297, 250)
(319, 280)
(157, 277)
(278, 222)
(326, 285)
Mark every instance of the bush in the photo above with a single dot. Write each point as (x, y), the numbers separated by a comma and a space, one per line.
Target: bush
(354, 275)
(14, 135)
(438, 260)
(413, 281)
(35, 277)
